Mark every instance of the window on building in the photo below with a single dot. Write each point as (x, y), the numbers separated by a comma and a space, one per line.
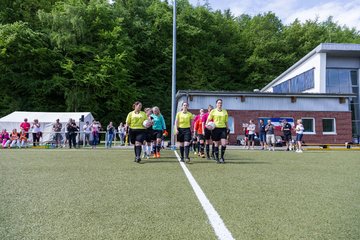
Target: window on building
(299, 83)
(340, 80)
(329, 126)
(309, 125)
(231, 124)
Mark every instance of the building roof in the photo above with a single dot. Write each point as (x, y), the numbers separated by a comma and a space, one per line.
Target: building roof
(181, 93)
(18, 116)
(334, 49)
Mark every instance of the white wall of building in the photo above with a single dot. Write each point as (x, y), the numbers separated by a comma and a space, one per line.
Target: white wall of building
(268, 103)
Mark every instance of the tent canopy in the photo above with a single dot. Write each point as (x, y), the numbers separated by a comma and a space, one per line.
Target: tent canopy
(46, 120)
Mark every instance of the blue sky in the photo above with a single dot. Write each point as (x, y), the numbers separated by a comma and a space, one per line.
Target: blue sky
(344, 12)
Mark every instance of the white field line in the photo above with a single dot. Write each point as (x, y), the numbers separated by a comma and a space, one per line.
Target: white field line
(216, 222)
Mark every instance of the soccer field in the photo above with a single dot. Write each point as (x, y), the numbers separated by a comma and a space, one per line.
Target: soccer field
(103, 194)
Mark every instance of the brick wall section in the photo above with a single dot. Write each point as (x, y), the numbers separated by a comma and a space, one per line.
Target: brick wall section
(342, 119)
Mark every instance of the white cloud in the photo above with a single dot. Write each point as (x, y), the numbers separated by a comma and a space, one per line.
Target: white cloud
(343, 12)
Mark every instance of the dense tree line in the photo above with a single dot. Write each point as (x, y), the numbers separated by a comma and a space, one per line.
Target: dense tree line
(100, 56)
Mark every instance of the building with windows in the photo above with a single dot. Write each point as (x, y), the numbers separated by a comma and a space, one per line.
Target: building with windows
(331, 68)
(326, 116)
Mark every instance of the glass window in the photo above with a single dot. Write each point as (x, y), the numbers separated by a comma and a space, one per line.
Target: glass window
(231, 124)
(332, 77)
(329, 125)
(309, 125)
(299, 83)
(354, 78)
(340, 80)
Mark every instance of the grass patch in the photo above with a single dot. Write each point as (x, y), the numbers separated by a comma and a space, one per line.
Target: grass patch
(103, 194)
(282, 195)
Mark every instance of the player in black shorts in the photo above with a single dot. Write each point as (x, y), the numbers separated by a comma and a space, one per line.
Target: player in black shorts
(182, 130)
(137, 131)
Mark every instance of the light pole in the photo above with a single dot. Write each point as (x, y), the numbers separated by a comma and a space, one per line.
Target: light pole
(173, 88)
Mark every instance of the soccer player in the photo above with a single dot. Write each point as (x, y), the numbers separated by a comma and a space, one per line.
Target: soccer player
(137, 131)
(207, 134)
(182, 130)
(219, 134)
(158, 128)
(195, 142)
(286, 129)
(148, 134)
(198, 129)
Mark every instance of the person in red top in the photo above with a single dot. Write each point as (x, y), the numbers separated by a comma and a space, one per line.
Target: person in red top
(198, 129)
(195, 138)
(207, 134)
(25, 126)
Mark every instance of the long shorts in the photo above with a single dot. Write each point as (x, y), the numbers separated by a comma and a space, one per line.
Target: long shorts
(270, 139)
(218, 134)
(184, 135)
(262, 137)
(137, 135)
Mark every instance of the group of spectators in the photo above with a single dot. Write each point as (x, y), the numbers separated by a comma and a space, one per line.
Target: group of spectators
(19, 139)
(32, 133)
(267, 135)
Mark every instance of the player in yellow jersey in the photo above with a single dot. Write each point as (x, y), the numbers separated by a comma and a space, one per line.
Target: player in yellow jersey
(137, 131)
(219, 135)
(182, 130)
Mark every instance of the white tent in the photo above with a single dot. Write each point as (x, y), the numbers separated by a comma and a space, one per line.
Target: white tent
(46, 120)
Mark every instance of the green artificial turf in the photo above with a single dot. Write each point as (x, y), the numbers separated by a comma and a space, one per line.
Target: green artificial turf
(285, 195)
(103, 194)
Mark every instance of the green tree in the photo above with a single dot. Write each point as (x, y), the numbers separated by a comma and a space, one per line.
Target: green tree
(96, 57)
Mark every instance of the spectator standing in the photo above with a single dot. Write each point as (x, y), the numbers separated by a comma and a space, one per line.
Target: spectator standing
(87, 132)
(25, 126)
(270, 135)
(57, 129)
(286, 129)
(36, 132)
(95, 131)
(299, 134)
(72, 131)
(110, 129)
(262, 134)
(251, 128)
(122, 132)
